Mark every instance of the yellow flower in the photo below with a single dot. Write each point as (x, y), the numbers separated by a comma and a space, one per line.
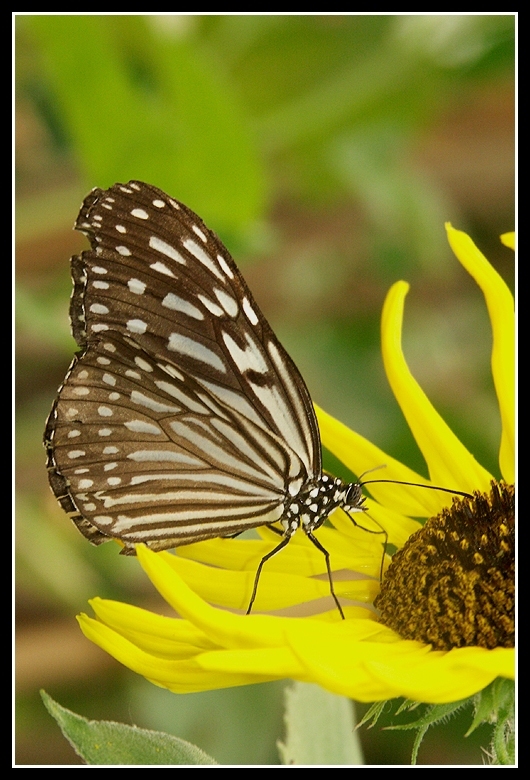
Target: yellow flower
(208, 647)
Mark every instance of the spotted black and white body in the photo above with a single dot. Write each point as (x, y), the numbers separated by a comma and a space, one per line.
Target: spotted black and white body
(182, 417)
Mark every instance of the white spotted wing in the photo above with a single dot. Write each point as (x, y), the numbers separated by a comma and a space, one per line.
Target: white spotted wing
(182, 417)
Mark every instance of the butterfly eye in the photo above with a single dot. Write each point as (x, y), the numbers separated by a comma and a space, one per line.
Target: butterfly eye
(353, 496)
(182, 418)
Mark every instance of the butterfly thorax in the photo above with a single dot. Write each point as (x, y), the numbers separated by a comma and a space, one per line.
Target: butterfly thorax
(315, 501)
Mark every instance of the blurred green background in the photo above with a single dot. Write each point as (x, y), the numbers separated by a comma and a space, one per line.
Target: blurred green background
(327, 152)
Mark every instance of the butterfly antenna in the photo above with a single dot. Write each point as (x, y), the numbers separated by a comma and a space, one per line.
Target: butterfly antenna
(416, 484)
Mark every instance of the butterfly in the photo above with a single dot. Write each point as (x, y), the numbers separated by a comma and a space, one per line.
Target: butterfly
(182, 418)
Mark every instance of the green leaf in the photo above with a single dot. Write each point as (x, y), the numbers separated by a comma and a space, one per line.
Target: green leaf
(320, 728)
(493, 705)
(498, 696)
(434, 714)
(496, 704)
(101, 742)
(137, 103)
(372, 715)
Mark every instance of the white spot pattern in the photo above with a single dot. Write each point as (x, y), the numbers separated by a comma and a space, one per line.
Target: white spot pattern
(224, 265)
(176, 303)
(162, 269)
(98, 308)
(136, 326)
(143, 364)
(249, 311)
(198, 252)
(141, 426)
(194, 349)
(228, 303)
(212, 307)
(140, 213)
(166, 249)
(73, 454)
(136, 286)
(246, 359)
(199, 232)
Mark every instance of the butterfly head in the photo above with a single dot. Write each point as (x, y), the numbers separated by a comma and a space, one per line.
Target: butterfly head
(353, 498)
(315, 501)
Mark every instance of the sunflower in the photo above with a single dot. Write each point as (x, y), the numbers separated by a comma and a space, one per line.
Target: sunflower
(438, 630)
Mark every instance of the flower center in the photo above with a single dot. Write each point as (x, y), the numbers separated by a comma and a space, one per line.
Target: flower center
(453, 582)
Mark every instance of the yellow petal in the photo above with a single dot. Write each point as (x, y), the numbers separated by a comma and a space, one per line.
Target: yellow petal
(360, 455)
(300, 556)
(157, 634)
(390, 667)
(276, 590)
(278, 663)
(450, 464)
(438, 677)
(180, 676)
(499, 301)
(508, 239)
(224, 628)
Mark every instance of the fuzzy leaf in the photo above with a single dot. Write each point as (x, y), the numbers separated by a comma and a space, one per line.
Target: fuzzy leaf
(101, 742)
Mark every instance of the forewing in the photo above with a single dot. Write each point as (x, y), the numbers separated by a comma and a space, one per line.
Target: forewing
(182, 418)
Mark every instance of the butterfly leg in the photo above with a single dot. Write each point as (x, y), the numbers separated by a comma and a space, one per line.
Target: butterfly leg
(328, 567)
(371, 531)
(283, 543)
(276, 530)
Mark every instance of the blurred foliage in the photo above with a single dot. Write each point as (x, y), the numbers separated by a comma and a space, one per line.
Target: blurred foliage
(129, 100)
(328, 150)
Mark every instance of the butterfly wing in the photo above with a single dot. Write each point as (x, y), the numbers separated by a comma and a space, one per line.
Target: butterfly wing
(182, 418)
